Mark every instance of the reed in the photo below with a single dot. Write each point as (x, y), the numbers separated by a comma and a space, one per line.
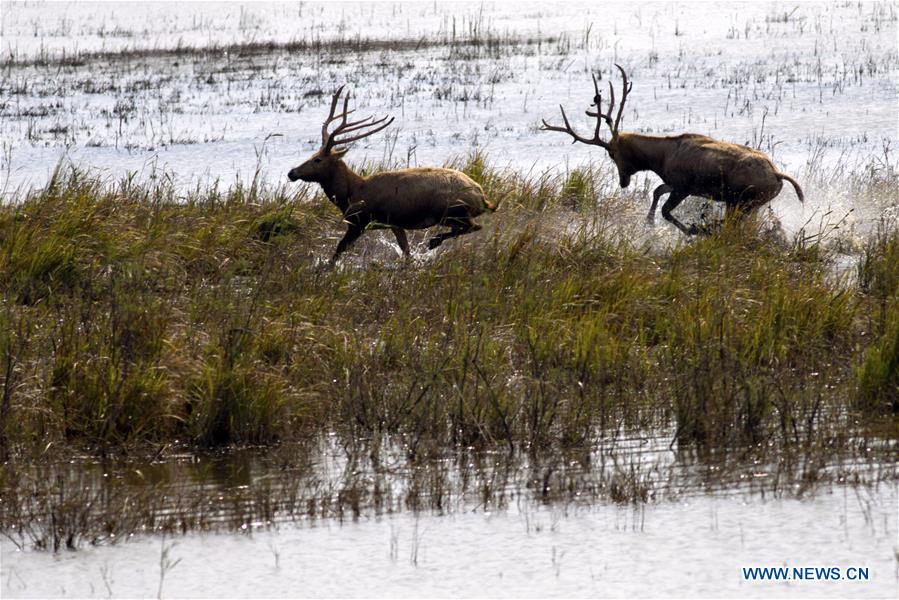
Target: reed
(134, 317)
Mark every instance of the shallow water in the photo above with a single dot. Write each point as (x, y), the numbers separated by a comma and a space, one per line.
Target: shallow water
(809, 84)
(813, 86)
(696, 546)
(632, 516)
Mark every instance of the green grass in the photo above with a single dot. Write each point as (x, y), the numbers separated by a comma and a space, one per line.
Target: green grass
(878, 375)
(134, 319)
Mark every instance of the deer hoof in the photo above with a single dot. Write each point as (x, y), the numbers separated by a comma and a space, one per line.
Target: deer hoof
(700, 230)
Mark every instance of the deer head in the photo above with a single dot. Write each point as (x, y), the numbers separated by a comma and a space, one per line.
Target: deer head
(612, 146)
(323, 165)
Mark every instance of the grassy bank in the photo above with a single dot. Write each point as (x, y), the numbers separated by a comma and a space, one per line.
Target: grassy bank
(133, 319)
(536, 355)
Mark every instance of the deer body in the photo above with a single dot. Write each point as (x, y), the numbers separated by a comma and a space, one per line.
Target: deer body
(688, 164)
(415, 198)
(697, 165)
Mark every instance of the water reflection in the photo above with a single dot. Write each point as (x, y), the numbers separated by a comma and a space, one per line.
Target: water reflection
(78, 503)
(692, 547)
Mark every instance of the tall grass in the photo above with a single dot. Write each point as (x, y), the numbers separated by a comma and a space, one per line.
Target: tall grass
(133, 318)
(878, 375)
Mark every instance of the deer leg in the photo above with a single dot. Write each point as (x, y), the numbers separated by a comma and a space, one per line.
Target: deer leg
(460, 227)
(352, 233)
(656, 195)
(435, 241)
(673, 201)
(439, 239)
(401, 240)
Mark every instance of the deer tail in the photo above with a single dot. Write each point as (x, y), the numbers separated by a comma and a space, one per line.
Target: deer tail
(492, 206)
(795, 185)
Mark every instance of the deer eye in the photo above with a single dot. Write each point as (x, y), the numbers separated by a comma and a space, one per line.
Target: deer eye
(318, 160)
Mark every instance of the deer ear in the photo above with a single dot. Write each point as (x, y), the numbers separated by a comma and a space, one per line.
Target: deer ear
(339, 153)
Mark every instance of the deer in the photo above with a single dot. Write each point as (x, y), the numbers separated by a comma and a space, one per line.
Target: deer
(413, 198)
(688, 164)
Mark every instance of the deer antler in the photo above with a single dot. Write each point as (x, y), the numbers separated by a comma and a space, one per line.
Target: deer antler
(595, 140)
(625, 90)
(597, 101)
(598, 114)
(330, 139)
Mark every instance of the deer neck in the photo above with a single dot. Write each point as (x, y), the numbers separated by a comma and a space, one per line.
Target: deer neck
(645, 152)
(342, 186)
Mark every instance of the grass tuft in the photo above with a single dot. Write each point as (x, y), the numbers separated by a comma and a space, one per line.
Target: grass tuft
(137, 318)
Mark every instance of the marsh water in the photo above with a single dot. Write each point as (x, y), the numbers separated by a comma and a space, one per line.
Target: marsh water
(632, 517)
(130, 89)
(692, 547)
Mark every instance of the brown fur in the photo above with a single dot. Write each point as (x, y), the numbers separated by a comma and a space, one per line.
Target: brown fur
(399, 200)
(697, 165)
(415, 198)
(688, 164)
